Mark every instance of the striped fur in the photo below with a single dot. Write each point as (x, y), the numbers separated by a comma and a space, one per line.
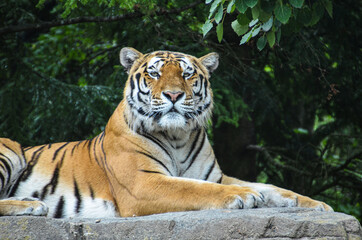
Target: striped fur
(154, 155)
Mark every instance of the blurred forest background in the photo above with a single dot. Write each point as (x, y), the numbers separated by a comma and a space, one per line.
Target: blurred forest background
(288, 89)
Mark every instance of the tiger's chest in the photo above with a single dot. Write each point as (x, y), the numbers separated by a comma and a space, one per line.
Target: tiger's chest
(188, 156)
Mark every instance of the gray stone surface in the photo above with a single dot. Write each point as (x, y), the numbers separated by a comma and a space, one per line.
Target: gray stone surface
(272, 223)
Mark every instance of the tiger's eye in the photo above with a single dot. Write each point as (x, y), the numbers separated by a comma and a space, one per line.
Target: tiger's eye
(154, 74)
(187, 75)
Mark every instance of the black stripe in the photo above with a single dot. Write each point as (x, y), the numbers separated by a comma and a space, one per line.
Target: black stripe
(102, 136)
(34, 159)
(125, 119)
(198, 93)
(104, 153)
(131, 83)
(205, 86)
(140, 98)
(23, 157)
(145, 83)
(77, 195)
(89, 143)
(220, 179)
(5, 163)
(35, 194)
(91, 192)
(210, 170)
(197, 151)
(148, 171)
(141, 111)
(94, 151)
(62, 159)
(192, 146)
(202, 109)
(156, 160)
(157, 141)
(57, 151)
(28, 148)
(28, 170)
(6, 146)
(2, 178)
(138, 75)
(9, 160)
(178, 55)
(52, 184)
(59, 208)
(14, 153)
(76, 145)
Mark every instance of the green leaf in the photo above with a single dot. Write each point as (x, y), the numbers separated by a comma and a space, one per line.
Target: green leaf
(239, 29)
(283, 13)
(243, 19)
(268, 6)
(300, 131)
(255, 31)
(264, 16)
(219, 32)
(213, 7)
(230, 6)
(253, 22)
(208, 1)
(260, 44)
(255, 12)
(251, 3)
(241, 6)
(329, 7)
(219, 14)
(245, 38)
(271, 38)
(267, 26)
(206, 27)
(296, 3)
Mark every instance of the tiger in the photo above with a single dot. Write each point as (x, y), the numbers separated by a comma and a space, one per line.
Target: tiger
(153, 156)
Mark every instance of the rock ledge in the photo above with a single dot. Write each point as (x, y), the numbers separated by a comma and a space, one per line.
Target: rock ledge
(271, 223)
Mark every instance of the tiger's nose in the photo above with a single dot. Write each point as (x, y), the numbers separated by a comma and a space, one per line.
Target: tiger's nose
(173, 96)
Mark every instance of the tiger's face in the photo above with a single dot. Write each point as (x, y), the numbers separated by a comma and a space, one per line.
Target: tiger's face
(167, 90)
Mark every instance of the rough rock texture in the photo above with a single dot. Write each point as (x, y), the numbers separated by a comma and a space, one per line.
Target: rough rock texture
(272, 223)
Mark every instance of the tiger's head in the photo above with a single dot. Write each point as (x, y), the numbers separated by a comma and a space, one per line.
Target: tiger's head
(167, 90)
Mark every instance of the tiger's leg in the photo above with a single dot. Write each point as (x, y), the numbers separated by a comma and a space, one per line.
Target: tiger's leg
(12, 164)
(278, 197)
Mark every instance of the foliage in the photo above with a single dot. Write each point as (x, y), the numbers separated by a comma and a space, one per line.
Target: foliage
(264, 19)
(301, 95)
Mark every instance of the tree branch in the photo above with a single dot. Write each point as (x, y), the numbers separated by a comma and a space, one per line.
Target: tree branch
(345, 164)
(47, 25)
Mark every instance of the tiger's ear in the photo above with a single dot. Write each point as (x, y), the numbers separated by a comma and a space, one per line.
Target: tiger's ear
(210, 61)
(128, 56)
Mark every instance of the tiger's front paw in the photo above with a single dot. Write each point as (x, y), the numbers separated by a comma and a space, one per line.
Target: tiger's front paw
(242, 197)
(286, 198)
(310, 203)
